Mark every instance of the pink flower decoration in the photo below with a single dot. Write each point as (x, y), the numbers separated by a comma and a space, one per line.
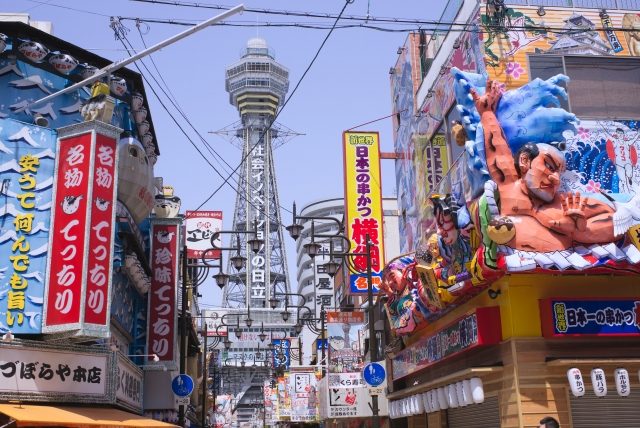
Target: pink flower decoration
(593, 187)
(514, 70)
(583, 133)
(503, 87)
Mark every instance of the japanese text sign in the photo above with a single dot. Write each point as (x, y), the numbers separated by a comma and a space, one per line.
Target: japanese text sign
(78, 288)
(45, 371)
(304, 398)
(129, 384)
(481, 327)
(27, 166)
(162, 331)
(363, 206)
(345, 354)
(590, 317)
(200, 226)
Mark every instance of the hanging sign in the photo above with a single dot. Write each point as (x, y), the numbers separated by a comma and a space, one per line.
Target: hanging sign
(363, 204)
(200, 227)
(590, 317)
(162, 316)
(480, 327)
(78, 285)
(346, 358)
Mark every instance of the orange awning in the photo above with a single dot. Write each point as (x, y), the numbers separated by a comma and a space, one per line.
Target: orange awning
(77, 417)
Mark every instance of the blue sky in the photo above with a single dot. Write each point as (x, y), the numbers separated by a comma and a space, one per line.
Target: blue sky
(347, 86)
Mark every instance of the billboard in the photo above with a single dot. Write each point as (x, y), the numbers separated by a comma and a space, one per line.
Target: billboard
(213, 318)
(363, 205)
(27, 164)
(346, 359)
(200, 227)
(304, 398)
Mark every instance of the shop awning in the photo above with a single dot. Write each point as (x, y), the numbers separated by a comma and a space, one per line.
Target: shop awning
(62, 416)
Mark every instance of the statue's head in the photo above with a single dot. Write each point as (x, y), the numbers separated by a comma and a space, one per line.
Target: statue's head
(539, 166)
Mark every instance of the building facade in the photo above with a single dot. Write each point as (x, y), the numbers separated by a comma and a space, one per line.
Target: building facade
(516, 314)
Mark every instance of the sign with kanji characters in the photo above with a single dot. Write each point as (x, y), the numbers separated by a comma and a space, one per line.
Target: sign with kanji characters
(200, 227)
(129, 384)
(304, 398)
(43, 371)
(346, 358)
(27, 165)
(363, 206)
(162, 315)
(213, 319)
(480, 327)
(590, 317)
(78, 285)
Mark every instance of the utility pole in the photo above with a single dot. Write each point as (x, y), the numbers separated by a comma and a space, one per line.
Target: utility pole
(183, 330)
(205, 375)
(373, 346)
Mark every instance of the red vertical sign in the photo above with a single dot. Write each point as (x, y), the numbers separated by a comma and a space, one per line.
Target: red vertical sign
(68, 226)
(101, 231)
(163, 296)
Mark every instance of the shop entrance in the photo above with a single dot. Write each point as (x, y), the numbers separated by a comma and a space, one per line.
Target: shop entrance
(485, 415)
(611, 410)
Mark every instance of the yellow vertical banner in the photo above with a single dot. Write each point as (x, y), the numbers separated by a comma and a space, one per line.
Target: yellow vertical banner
(363, 206)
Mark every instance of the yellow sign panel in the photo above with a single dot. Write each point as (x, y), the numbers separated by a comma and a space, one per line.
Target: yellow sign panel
(363, 205)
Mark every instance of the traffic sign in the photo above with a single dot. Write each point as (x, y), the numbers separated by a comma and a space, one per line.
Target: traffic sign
(183, 401)
(374, 374)
(182, 385)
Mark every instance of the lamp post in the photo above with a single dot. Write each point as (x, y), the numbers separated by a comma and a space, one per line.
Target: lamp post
(205, 375)
(332, 267)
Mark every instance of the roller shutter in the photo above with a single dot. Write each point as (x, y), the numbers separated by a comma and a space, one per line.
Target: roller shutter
(611, 410)
(485, 415)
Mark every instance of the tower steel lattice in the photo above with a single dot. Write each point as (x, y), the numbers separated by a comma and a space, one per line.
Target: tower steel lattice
(257, 85)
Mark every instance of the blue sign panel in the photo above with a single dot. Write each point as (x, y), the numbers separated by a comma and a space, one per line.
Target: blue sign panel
(281, 352)
(321, 344)
(566, 317)
(27, 155)
(182, 385)
(374, 374)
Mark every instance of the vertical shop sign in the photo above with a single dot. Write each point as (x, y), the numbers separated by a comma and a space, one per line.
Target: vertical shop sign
(78, 284)
(258, 196)
(346, 359)
(27, 176)
(363, 205)
(162, 314)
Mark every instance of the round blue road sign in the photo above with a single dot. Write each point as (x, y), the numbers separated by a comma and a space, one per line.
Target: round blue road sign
(182, 385)
(374, 374)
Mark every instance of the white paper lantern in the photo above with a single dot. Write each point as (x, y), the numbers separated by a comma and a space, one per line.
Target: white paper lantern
(622, 382)
(147, 139)
(88, 71)
(466, 390)
(452, 396)
(63, 62)
(442, 398)
(140, 115)
(405, 411)
(143, 127)
(575, 381)
(414, 405)
(419, 404)
(4, 40)
(477, 390)
(34, 51)
(599, 382)
(391, 410)
(136, 100)
(118, 85)
(130, 259)
(425, 402)
(435, 403)
(460, 394)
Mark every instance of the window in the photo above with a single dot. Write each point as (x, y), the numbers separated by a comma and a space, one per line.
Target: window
(600, 87)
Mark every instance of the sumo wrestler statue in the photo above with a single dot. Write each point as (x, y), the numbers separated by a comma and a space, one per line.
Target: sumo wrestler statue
(528, 182)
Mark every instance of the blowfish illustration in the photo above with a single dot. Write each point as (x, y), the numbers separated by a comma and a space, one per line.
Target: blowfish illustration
(164, 237)
(71, 204)
(102, 204)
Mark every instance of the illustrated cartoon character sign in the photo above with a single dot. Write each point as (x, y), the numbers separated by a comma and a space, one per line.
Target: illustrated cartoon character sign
(622, 152)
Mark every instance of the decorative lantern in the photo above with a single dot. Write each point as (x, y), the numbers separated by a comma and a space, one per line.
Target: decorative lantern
(147, 139)
(413, 408)
(452, 397)
(425, 402)
(460, 394)
(136, 100)
(140, 115)
(622, 382)
(466, 391)
(130, 259)
(442, 398)
(575, 381)
(435, 403)
(143, 127)
(419, 404)
(118, 85)
(63, 62)
(88, 71)
(153, 158)
(4, 41)
(151, 149)
(477, 390)
(599, 382)
(34, 51)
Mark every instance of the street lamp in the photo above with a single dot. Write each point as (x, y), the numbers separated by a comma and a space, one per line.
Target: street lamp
(285, 315)
(222, 279)
(312, 247)
(273, 302)
(331, 266)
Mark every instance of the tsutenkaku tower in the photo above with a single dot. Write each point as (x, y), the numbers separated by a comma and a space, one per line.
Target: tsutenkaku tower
(257, 85)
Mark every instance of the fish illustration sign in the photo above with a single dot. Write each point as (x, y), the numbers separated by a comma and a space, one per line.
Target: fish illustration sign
(27, 165)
